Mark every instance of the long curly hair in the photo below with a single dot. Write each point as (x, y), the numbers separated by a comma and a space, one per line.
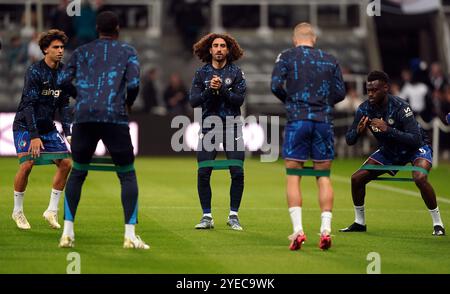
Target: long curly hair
(201, 48)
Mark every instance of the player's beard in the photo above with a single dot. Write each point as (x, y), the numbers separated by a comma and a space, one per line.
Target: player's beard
(219, 58)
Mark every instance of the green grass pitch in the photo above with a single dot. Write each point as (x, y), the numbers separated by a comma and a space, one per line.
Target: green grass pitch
(399, 225)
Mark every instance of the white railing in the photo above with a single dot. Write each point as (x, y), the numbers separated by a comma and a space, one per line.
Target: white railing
(154, 8)
(264, 30)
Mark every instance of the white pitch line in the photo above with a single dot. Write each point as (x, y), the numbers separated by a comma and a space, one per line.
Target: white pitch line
(388, 188)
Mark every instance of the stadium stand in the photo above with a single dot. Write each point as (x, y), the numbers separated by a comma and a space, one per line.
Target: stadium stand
(263, 28)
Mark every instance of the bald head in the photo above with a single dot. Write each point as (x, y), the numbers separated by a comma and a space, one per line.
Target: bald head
(304, 35)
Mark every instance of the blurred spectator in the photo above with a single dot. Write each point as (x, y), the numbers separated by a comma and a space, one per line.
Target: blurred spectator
(415, 93)
(347, 71)
(99, 6)
(437, 80)
(436, 83)
(189, 20)
(149, 92)
(351, 102)
(395, 88)
(17, 53)
(419, 69)
(84, 25)
(62, 21)
(444, 111)
(34, 51)
(406, 76)
(27, 31)
(445, 103)
(175, 95)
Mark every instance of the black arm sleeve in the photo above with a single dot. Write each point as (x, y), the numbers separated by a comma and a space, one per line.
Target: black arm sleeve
(131, 95)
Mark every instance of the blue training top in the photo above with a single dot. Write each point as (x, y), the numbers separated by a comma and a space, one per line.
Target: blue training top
(404, 134)
(313, 80)
(225, 102)
(41, 97)
(104, 70)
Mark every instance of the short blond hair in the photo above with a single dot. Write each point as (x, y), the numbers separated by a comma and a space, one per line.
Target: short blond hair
(304, 31)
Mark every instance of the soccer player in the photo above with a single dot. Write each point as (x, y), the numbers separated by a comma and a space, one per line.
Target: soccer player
(401, 140)
(106, 72)
(219, 89)
(34, 129)
(313, 85)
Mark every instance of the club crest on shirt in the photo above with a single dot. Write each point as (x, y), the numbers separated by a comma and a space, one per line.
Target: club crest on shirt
(391, 121)
(23, 143)
(227, 81)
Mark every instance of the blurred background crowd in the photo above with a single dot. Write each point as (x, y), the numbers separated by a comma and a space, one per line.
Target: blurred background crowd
(411, 42)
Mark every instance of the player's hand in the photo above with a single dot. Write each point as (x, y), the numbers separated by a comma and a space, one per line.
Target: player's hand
(378, 124)
(35, 147)
(69, 139)
(362, 124)
(216, 82)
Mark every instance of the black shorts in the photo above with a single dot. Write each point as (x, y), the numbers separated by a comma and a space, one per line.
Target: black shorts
(116, 138)
(235, 150)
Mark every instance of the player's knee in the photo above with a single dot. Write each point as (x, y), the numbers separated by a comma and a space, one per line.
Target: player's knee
(65, 165)
(26, 167)
(358, 179)
(237, 174)
(419, 178)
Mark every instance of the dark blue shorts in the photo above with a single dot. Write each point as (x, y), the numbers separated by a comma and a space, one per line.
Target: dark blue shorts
(424, 152)
(53, 142)
(305, 139)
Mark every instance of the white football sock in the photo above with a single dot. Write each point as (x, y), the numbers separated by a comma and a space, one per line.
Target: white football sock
(296, 218)
(18, 201)
(129, 232)
(233, 212)
(360, 217)
(436, 216)
(68, 229)
(208, 214)
(54, 200)
(326, 222)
